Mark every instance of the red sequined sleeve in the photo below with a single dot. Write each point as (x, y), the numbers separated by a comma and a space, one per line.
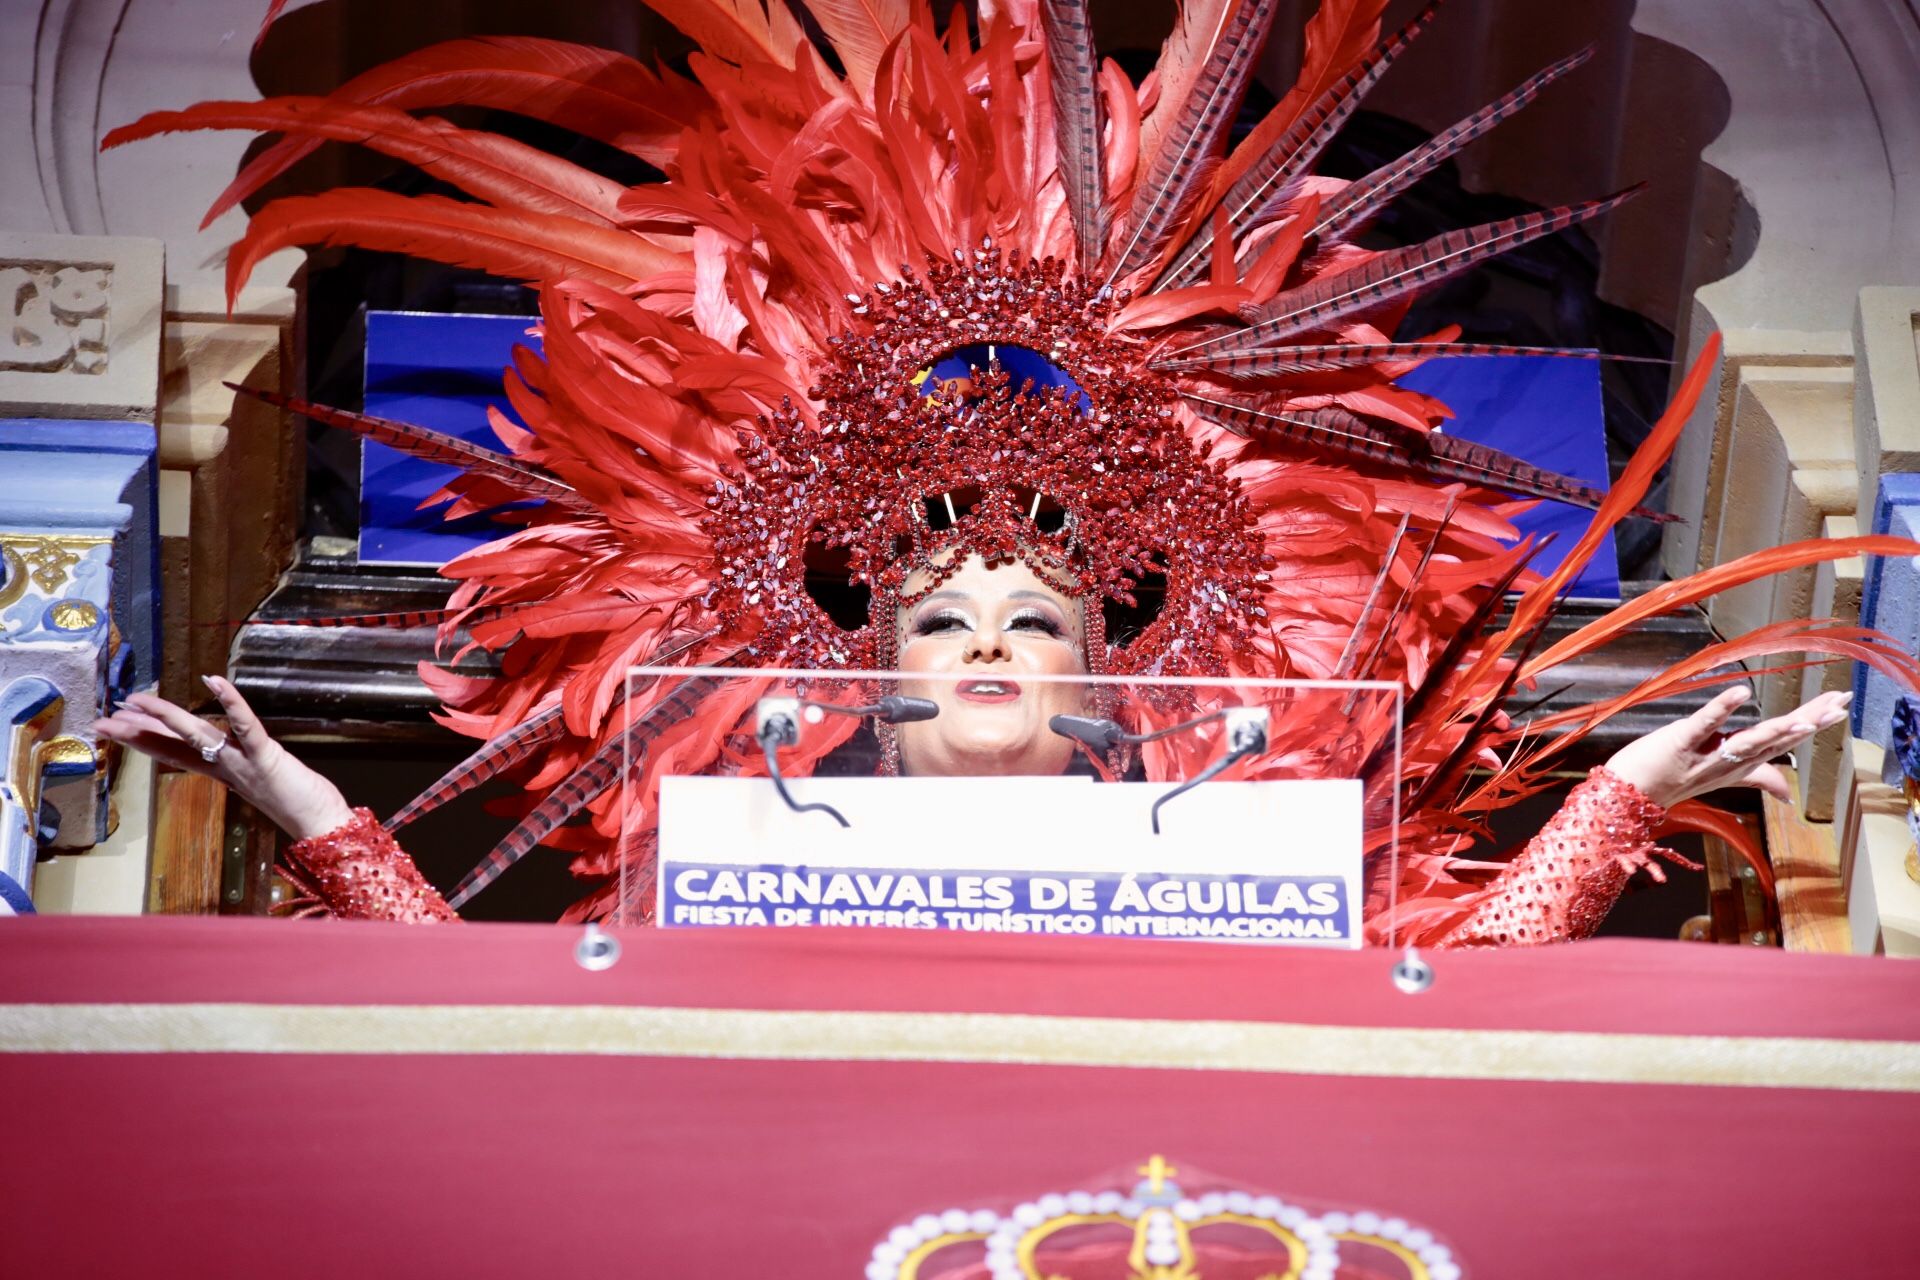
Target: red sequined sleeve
(1569, 876)
(359, 872)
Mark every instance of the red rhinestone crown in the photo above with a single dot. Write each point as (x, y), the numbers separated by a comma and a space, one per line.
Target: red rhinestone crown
(1096, 486)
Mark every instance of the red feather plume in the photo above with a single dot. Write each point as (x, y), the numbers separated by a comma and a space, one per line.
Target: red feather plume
(527, 246)
(495, 169)
(599, 94)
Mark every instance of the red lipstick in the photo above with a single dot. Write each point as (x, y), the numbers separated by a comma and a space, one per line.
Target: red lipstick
(986, 691)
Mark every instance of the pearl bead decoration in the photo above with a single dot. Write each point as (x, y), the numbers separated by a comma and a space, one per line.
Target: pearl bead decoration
(1160, 1228)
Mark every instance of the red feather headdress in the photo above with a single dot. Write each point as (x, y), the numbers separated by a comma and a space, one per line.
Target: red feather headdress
(731, 384)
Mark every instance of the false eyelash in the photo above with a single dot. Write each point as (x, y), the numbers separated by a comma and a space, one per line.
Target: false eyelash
(1047, 624)
(933, 624)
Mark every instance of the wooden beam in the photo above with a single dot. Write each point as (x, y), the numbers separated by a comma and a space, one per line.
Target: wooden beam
(1806, 875)
(1736, 900)
(189, 828)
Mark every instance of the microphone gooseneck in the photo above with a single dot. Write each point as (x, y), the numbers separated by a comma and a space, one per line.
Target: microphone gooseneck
(779, 726)
(1246, 736)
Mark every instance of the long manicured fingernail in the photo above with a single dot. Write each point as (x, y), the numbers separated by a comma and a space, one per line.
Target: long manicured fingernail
(211, 682)
(1843, 699)
(1799, 726)
(1832, 718)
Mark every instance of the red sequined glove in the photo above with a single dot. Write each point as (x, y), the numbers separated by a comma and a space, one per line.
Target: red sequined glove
(1569, 876)
(359, 872)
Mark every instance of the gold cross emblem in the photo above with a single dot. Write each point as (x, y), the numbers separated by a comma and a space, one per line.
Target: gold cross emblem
(1156, 1172)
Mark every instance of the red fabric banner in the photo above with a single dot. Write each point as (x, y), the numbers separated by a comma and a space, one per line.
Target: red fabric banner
(265, 1098)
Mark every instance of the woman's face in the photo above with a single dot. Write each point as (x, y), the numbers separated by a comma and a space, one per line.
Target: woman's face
(990, 628)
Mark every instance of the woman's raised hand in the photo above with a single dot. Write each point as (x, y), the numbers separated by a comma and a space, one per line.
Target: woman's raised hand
(1692, 756)
(297, 799)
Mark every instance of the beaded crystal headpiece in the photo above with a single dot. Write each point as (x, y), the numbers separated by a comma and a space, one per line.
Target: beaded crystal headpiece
(1087, 481)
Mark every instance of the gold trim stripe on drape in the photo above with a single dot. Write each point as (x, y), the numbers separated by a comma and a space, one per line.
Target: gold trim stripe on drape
(825, 1035)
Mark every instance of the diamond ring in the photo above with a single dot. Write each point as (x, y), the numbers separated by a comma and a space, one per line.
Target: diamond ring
(210, 752)
(1731, 756)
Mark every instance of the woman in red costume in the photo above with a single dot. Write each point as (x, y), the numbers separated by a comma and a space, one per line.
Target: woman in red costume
(731, 393)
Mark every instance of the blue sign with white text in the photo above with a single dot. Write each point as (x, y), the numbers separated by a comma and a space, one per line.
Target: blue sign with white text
(1131, 904)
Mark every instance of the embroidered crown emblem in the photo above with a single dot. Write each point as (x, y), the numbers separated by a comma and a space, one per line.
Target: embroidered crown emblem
(1160, 1230)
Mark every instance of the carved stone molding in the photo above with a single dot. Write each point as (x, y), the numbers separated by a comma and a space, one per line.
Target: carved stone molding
(58, 313)
(73, 41)
(1808, 193)
(1822, 138)
(1780, 138)
(1886, 408)
(80, 323)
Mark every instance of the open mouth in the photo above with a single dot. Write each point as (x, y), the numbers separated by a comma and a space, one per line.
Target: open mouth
(986, 691)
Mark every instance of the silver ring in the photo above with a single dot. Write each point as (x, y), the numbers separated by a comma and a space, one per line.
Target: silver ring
(1731, 756)
(210, 752)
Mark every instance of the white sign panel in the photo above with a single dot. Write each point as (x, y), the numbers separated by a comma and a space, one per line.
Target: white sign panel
(1275, 862)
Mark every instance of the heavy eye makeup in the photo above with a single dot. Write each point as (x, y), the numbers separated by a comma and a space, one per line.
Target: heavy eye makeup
(952, 621)
(939, 621)
(1039, 620)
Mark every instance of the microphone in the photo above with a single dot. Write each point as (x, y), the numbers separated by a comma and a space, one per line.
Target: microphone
(1098, 735)
(777, 724)
(1104, 735)
(1246, 736)
(894, 709)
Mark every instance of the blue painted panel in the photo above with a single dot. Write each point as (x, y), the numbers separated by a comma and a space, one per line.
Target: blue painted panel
(1545, 410)
(1023, 365)
(93, 435)
(435, 371)
(1889, 602)
(23, 701)
(82, 476)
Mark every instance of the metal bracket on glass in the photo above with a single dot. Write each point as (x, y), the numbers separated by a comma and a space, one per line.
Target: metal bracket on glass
(777, 724)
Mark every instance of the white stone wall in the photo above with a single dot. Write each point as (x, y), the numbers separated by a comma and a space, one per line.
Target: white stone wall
(72, 69)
